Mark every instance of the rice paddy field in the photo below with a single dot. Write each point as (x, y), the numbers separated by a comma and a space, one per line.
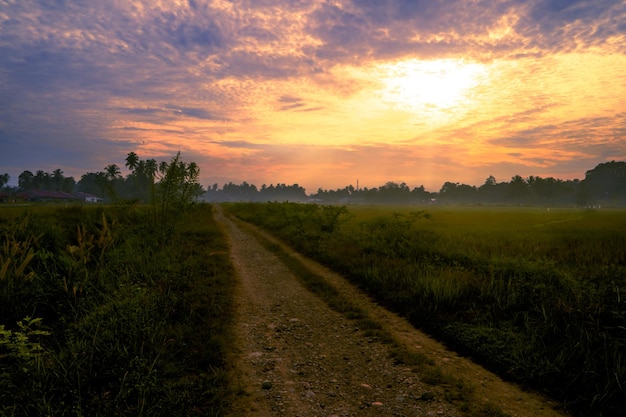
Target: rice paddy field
(535, 294)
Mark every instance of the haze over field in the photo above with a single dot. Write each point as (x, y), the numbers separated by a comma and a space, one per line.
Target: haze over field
(319, 93)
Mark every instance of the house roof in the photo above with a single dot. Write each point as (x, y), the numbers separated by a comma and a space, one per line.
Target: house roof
(57, 195)
(83, 195)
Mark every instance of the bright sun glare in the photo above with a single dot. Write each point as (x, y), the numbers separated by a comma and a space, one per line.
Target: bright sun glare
(430, 86)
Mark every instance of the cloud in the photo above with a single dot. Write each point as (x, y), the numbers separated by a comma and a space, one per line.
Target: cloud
(549, 146)
(171, 112)
(242, 76)
(241, 144)
(560, 25)
(296, 104)
(385, 29)
(186, 35)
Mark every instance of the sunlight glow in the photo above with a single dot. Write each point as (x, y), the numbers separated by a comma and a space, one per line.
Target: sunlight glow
(431, 86)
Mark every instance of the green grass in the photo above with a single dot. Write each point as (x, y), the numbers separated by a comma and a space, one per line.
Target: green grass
(535, 295)
(114, 321)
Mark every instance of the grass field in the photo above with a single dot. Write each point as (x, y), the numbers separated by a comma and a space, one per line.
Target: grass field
(535, 294)
(101, 316)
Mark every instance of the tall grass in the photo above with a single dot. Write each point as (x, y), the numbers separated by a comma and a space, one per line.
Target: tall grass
(100, 318)
(536, 295)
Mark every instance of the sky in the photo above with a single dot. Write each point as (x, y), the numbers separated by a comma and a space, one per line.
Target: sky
(318, 93)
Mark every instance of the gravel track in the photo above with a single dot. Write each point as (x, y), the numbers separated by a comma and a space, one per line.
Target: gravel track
(294, 356)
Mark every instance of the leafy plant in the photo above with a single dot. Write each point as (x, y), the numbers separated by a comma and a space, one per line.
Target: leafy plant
(21, 360)
(175, 193)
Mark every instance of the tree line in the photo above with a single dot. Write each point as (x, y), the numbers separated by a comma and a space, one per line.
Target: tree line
(604, 184)
(146, 179)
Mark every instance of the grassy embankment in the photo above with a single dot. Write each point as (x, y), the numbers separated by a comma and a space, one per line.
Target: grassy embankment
(101, 315)
(536, 295)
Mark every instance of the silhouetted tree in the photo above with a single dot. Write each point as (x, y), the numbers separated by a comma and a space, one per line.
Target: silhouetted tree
(4, 180)
(113, 172)
(26, 181)
(132, 160)
(420, 195)
(393, 192)
(490, 191)
(457, 192)
(546, 190)
(57, 178)
(41, 181)
(606, 183)
(69, 185)
(518, 189)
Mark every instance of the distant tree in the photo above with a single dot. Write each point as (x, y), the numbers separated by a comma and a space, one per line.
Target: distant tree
(57, 178)
(419, 194)
(4, 180)
(41, 181)
(69, 184)
(490, 191)
(26, 181)
(93, 183)
(295, 192)
(394, 193)
(490, 181)
(458, 192)
(139, 183)
(606, 183)
(547, 190)
(113, 172)
(447, 188)
(280, 192)
(243, 192)
(151, 169)
(132, 160)
(518, 189)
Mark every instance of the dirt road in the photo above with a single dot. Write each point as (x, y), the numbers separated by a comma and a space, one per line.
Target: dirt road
(294, 356)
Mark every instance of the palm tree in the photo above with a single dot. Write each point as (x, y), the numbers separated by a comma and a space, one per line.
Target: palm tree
(132, 161)
(113, 172)
(57, 176)
(101, 181)
(139, 179)
(151, 169)
(41, 180)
